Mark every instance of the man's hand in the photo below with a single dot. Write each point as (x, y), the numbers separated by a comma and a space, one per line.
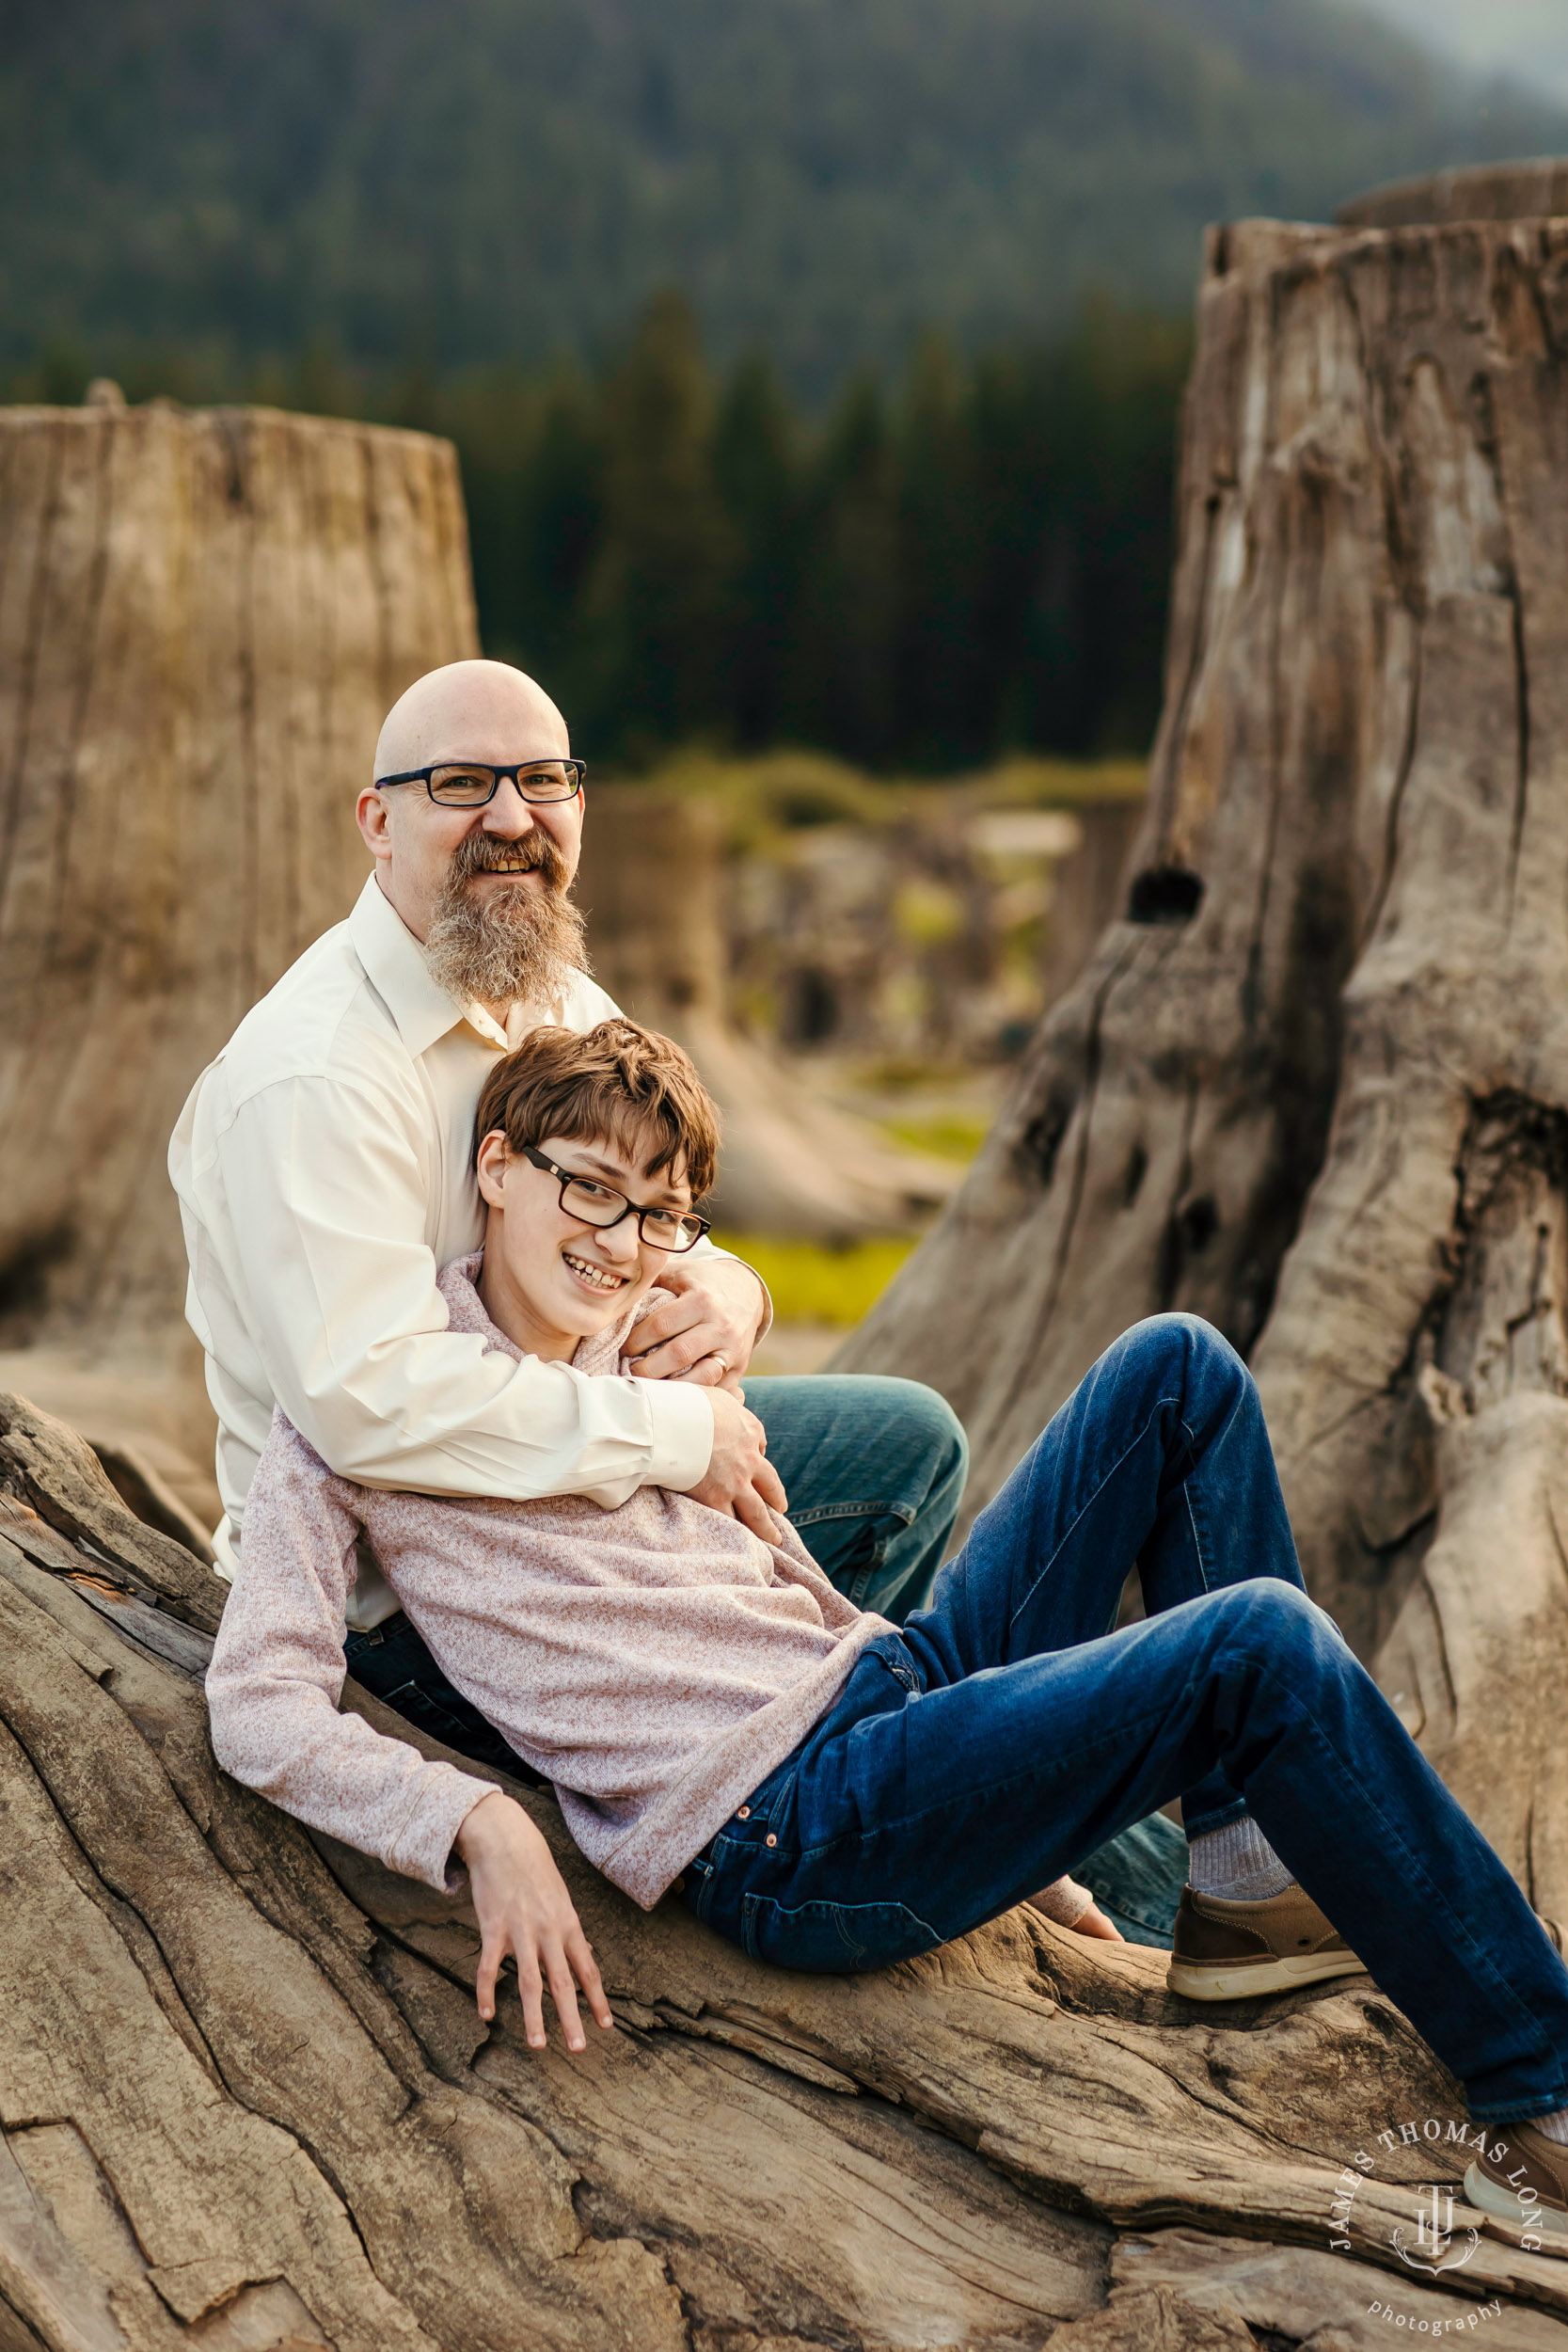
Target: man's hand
(740, 1479)
(1094, 1922)
(524, 1909)
(716, 1313)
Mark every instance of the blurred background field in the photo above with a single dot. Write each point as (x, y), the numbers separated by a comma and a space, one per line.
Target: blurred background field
(889, 944)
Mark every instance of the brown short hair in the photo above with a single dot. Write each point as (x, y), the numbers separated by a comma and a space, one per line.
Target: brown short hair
(616, 1083)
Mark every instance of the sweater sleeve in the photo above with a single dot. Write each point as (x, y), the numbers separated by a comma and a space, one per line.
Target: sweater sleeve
(1064, 1900)
(277, 1674)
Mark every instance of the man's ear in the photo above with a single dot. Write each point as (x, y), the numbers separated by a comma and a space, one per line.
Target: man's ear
(372, 816)
(491, 1166)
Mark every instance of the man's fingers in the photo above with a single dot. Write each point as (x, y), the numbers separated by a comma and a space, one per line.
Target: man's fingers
(749, 1506)
(580, 1953)
(665, 1324)
(666, 1360)
(769, 1485)
(1094, 1923)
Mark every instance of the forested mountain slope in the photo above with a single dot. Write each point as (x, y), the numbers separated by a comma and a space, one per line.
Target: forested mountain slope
(497, 178)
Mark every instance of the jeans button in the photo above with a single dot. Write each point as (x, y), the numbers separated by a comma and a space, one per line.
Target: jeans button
(744, 1813)
(771, 1840)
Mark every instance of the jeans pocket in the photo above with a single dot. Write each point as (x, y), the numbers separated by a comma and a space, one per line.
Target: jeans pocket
(831, 1939)
(697, 1892)
(416, 1706)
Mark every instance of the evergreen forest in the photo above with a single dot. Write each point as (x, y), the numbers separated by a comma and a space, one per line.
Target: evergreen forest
(814, 364)
(923, 579)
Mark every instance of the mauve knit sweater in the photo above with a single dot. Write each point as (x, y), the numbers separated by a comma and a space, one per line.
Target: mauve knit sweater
(654, 1661)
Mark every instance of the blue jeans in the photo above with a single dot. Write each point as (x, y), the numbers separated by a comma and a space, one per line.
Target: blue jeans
(1006, 1733)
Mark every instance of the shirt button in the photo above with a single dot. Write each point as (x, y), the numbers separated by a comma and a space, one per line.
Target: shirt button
(771, 1840)
(744, 1813)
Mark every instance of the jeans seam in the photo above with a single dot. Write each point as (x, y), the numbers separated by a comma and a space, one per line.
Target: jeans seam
(908, 1512)
(752, 1903)
(1132, 1447)
(1192, 1516)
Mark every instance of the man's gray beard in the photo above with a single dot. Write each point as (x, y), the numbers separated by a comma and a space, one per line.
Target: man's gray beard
(521, 941)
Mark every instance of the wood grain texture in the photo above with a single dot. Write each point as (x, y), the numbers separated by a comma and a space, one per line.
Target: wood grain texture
(247, 2101)
(203, 617)
(1315, 1087)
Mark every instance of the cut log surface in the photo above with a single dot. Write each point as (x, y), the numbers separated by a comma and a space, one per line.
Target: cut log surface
(247, 2101)
(1314, 1087)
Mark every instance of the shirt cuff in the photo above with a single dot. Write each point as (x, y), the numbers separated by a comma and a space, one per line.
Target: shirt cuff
(682, 1433)
(226, 1550)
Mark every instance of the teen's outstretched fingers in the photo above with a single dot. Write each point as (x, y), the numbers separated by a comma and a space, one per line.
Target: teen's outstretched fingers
(525, 1910)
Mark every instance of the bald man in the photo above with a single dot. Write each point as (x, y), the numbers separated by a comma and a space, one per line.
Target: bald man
(323, 1165)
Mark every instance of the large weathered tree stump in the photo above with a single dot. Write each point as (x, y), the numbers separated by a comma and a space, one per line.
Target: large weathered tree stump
(1315, 1084)
(247, 2103)
(203, 616)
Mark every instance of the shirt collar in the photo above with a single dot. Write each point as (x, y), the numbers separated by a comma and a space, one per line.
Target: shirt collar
(394, 963)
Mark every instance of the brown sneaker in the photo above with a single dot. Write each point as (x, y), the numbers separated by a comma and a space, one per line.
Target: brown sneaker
(1519, 2181)
(1231, 1951)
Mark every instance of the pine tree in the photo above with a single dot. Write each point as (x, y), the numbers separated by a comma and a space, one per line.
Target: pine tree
(757, 469)
(843, 684)
(657, 596)
(940, 720)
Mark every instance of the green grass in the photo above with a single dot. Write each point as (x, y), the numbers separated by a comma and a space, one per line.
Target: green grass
(813, 1283)
(948, 1136)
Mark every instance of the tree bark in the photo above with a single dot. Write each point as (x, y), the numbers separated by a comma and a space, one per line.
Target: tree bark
(1314, 1085)
(203, 617)
(247, 2103)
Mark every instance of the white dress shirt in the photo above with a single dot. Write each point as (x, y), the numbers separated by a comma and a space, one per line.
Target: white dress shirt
(325, 1173)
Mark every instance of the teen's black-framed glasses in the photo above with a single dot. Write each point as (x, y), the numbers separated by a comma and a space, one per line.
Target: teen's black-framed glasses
(470, 782)
(600, 1204)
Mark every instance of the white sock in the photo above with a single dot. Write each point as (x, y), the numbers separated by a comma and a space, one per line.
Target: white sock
(1237, 1863)
(1555, 2125)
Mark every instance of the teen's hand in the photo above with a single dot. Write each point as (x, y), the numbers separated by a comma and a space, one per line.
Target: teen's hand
(524, 1909)
(705, 1333)
(1094, 1922)
(741, 1481)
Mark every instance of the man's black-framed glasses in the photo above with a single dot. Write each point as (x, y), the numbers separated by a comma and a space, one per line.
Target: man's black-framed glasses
(599, 1204)
(470, 783)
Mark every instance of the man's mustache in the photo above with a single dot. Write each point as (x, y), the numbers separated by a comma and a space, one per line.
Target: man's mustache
(480, 853)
